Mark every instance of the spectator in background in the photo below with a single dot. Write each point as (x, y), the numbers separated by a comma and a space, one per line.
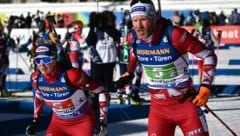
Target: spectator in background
(189, 19)
(182, 18)
(213, 18)
(38, 17)
(196, 15)
(60, 21)
(222, 18)
(176, 19)
(234, 18)
(103, 40)
(28, 20)
(21, 21)
(6, 43)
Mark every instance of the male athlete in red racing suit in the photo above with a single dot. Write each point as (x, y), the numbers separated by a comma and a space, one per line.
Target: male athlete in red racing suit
(64, 91)
(162, 50)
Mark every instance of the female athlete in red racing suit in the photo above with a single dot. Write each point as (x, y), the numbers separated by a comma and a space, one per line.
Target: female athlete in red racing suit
(162, 50)
(64, 91)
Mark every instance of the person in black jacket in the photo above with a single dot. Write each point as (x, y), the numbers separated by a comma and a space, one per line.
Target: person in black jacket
(103, 39)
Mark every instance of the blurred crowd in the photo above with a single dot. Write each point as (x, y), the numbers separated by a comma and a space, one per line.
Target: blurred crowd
(33, 20)
(178, 18)
(195, 16)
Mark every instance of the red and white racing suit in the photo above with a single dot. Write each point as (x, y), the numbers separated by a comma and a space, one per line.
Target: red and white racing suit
(75, 55)
(165, 65)
(72, 113)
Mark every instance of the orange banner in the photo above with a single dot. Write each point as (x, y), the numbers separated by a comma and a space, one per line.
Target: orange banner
(230, 33)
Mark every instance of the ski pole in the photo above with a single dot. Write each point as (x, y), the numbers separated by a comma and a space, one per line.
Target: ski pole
(17, 53)
(160, 9)
(215, 115)
(206, 110)
(97, 5)
(18, 46)
(219, 38)
(25, 61)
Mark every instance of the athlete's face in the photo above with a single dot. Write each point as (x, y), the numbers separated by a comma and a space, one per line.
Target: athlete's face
(46, 68)
(144, 26)
(79, 30)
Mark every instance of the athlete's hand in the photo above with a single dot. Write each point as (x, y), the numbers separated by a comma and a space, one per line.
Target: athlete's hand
(202, 97)
(31, 129)
(123, 80)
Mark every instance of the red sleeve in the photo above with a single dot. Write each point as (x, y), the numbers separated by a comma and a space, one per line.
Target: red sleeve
(132, 61)
(38, 102)
(34, 77)
(184, 42)
(38, 107)
(129, 38)
(77, 77)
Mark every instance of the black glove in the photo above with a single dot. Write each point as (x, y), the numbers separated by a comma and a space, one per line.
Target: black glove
(123, 80)
(31, 129)
(67, 36)
(101, 129)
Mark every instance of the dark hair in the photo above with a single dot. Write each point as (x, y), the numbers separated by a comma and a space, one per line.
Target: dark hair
(108, 18)
(205, 23)
(94, 19)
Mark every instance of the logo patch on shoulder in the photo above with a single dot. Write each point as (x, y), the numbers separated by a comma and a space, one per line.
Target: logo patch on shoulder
(63, 80)
(165, 39)
(184, 36)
